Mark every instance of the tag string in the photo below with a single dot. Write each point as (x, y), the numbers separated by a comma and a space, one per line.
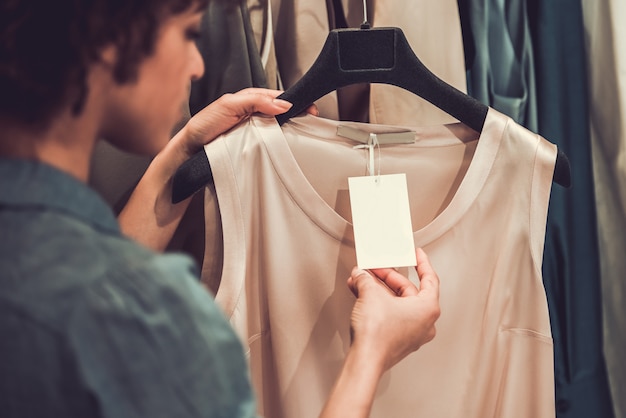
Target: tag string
(371, 146)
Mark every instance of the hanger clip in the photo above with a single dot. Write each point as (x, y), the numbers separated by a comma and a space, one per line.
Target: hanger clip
(385, 135)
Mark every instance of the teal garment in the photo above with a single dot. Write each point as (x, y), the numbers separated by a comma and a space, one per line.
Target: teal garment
(571, 261)
(230, 53)
(500, 69)
(94, 325)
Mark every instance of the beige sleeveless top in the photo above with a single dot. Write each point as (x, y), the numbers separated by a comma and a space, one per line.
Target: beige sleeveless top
(478, 204)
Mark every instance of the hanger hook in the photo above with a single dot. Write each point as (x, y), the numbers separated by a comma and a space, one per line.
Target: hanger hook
(365, 24)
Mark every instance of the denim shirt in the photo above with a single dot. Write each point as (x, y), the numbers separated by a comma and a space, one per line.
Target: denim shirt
(94, 325)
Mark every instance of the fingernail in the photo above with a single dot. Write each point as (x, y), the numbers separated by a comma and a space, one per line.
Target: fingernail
(282, 103)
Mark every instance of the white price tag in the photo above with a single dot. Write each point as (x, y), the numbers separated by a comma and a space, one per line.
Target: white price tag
(381, 218)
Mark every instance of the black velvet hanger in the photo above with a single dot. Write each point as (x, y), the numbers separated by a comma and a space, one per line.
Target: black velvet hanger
(365, 55)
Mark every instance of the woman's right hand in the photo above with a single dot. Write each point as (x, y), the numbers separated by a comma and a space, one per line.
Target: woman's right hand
(392, 317)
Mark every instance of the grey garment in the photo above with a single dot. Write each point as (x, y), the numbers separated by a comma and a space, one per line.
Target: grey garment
(605, 42)
(92, 324)
(231, 55)
(501, 69)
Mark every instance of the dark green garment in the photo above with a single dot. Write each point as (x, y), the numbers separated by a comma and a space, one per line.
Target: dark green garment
(231, 56)
(571, 261)
(501, 70)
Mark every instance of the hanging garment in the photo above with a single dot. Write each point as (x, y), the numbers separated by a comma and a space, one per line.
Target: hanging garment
(538, 78)
(605, 35)
(432, 28)
(479, 211)
(262, 27)
(571, 261)
(230, 52)
(501, 69)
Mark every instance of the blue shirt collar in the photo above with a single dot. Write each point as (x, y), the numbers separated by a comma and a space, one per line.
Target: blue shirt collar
(34, 185)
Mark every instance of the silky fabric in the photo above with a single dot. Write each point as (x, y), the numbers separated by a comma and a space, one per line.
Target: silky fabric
(432, 29)
(478, 208)
(605, 37)
(571, 261)
(93, 324)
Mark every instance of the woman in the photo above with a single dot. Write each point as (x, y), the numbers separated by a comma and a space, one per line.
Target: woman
(92, 323)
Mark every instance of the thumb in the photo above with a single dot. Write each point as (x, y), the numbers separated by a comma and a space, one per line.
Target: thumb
(359, 279)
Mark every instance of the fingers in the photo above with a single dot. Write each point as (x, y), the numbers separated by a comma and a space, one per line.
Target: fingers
(259, 90)
(225, 113)
(255, 100)
(398, 284)
(232, 108)
(262, 105)
(358, 279)
(228, 111)
(389, 279)
(429, 281)
(313, 110)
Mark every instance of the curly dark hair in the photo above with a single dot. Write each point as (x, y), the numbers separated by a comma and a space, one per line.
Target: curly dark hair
(47, 46)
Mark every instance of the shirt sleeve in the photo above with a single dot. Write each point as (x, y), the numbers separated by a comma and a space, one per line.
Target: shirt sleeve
(151, 342)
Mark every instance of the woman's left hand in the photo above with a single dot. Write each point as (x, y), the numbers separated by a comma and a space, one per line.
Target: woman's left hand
(150, 217)
(228, 111)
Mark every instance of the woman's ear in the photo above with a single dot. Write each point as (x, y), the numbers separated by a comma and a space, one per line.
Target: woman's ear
(108, 56)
